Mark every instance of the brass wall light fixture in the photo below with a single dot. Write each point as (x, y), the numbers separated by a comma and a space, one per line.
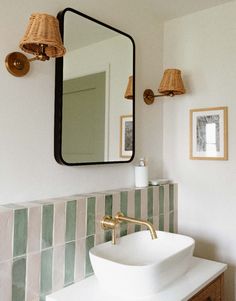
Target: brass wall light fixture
(171, 85)
(129, 89)
(42, 39)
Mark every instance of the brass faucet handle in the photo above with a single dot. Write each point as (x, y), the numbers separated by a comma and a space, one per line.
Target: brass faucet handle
(108, 223)
(118, 215)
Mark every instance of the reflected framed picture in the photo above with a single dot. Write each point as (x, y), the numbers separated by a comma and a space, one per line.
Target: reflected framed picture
(209, 134)
(126, 136)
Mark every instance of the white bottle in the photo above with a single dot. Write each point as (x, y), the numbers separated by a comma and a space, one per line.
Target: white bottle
(141, 174)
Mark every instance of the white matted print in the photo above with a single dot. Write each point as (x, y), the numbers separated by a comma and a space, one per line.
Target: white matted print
(209, 134)
(126, 136)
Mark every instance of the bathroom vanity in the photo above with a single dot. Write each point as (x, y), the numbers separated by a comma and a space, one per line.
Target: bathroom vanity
(213, 291)
(202, 282)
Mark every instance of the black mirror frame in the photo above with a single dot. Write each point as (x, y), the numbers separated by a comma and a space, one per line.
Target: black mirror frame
(59, 94)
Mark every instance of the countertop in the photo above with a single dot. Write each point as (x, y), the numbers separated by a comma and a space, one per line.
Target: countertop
(201, 273)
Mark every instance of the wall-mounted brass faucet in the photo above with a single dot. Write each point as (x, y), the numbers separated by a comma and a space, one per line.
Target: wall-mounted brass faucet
(109, 223)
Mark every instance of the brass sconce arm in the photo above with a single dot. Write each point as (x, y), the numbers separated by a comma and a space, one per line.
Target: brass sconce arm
(42, 39)
(148, 96)
(171, 85)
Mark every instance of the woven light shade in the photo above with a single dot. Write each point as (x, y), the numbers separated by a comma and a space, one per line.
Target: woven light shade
(129, 89)
(43, 36)
(172, 83)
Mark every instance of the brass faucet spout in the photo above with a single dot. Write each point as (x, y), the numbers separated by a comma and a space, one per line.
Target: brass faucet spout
(109, 223)
(121, 218)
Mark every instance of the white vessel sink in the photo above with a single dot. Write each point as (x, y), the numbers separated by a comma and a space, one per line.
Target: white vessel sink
(138, 266)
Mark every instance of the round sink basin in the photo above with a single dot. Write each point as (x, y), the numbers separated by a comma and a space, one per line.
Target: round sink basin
(138, 266)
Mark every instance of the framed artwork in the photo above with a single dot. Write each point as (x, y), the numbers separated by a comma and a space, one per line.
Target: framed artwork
(209, 134)
(126, 136)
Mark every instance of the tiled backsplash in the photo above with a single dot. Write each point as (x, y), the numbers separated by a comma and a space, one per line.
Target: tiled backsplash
(44, 244)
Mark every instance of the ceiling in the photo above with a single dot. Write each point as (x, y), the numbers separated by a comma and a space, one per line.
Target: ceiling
(169, 9)
(88, 32)
(161, 10)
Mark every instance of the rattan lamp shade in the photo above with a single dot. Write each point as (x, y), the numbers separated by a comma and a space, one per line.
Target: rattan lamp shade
(43, 29)
(129, 89)
(172, 83)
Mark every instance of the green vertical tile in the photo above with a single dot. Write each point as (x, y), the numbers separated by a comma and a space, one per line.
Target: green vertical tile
(18, 279)
(91, 203)
(124, 202)
(150, 204)
(20, 232)
(69, 263)
(46, 272)
(150, 219)
(123, 209)
(161, 222)
(171, 197)
(161, 200)
(70, 220)
(108, 211)
(108, 235)
(89, 245)
(137, 201)
(108, 204)
(171, 222)
(47, 226)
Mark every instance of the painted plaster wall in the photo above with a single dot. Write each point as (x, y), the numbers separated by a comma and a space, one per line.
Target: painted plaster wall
(203, 46)
(28, 169)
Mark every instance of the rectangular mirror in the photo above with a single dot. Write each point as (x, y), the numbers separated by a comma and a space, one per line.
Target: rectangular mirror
(94, 122)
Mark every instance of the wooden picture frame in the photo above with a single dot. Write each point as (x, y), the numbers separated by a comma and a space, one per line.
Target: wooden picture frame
(209, 133)
(126, 137)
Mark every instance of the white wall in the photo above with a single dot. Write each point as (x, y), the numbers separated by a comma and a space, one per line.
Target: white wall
(203, 46)
(28, 170)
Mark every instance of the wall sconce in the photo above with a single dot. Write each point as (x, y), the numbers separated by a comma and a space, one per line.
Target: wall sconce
(129, 89)
(171, 85)
(42, 39)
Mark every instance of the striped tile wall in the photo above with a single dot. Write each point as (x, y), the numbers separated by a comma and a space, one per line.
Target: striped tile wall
(44, 245)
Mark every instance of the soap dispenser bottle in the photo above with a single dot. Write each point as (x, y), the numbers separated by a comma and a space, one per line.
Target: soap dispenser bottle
(141, 174)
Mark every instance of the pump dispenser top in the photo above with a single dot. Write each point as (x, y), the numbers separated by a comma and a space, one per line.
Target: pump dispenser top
(142, 162)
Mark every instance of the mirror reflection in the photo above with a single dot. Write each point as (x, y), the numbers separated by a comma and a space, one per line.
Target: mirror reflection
(96, 118)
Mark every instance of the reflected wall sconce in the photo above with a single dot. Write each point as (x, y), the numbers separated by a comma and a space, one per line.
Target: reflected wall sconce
(129, 89)
(171, 85)
(42, 39)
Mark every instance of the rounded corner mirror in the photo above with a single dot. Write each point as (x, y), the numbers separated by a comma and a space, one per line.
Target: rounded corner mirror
(94, 93)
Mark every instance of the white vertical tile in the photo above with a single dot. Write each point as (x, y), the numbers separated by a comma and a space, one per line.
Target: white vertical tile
(80, 259)
(175, 196)
(33, 277)
(144, 208)
(176, 208)
(34, 229)
(156, 207)
(131, 209)
(100, 212)
(59, 223)
(58, 267)
(6, 280)
(6, 233)
(100, 204)
(166, 207)
(81, 217)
